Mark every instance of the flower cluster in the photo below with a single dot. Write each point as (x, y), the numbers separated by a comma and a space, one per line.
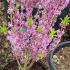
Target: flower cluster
(32, 27)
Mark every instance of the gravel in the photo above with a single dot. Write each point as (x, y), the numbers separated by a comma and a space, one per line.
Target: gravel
(62, 59)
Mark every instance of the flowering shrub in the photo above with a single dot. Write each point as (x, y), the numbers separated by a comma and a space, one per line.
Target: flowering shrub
(32, 34)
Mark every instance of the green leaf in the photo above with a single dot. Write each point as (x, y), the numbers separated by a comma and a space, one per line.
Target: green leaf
(41, 55)
(66, 20)
(29, 21)
(3, 28)
(39, 29)
(53, 32)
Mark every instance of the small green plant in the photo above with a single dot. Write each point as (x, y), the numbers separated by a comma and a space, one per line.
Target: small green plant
(41, 55)
(53, 32)
(3, 28)
(29, 21)
(66, 20)
(39, 29)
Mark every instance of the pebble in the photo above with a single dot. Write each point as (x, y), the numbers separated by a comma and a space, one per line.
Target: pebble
(62, 59)
(55, 57)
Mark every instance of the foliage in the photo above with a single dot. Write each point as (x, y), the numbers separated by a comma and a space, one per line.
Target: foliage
(29, 21)
(39, 29)
(41, 55)
(66, 20)
(3, 28)
(53, 32)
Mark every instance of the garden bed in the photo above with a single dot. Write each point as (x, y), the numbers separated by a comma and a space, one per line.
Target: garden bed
(39, 54)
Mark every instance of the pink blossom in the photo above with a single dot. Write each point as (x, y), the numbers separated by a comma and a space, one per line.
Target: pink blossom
(32, 40)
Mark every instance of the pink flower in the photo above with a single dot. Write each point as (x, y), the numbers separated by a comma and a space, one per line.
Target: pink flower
(33, 40)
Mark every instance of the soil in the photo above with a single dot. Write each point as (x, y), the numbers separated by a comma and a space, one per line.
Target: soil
(66, 36)
(5, 51)
(38, 66)
(11, 66)
(41, 65)
(62, 59)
